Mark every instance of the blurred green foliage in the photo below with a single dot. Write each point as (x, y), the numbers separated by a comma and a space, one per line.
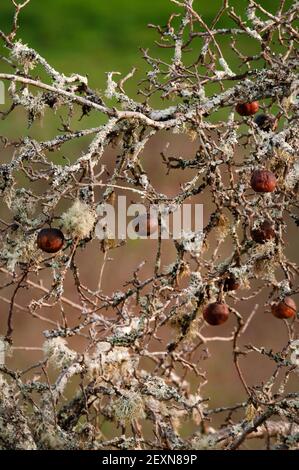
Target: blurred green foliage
(96, 36)
(92, 37)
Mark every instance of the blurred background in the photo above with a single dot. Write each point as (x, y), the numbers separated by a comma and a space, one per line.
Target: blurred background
(91, 38)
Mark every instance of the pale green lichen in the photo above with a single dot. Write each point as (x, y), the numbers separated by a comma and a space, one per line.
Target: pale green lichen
(58, 353)
(128, 407)
(118, 364)
(19, 248)
(79, 220)
(23, 55)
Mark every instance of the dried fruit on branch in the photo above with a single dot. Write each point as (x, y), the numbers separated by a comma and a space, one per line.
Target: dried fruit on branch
(50, 240)
(216, 313)
(284, 309)
(247, 109)
(263, 181)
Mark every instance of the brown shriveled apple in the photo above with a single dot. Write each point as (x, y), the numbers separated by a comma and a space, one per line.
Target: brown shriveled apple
(50, 240)
(216, 313)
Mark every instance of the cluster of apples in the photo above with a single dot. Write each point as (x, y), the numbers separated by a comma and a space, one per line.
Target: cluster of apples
(262, 181)
(217, 313)
(51, 240)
